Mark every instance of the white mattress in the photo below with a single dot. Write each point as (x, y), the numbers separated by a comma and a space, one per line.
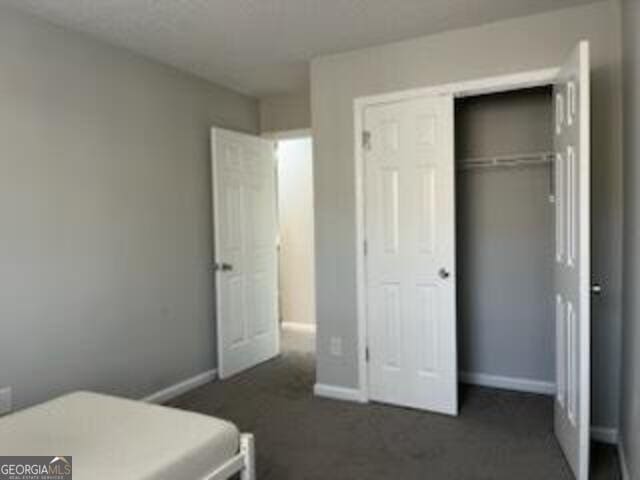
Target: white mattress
(113, 438)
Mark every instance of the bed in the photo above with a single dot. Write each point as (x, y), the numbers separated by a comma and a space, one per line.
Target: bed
(110, 437)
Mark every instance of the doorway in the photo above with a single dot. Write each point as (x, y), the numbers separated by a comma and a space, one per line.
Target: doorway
(264, 247)
(295, 232)
(296, 250)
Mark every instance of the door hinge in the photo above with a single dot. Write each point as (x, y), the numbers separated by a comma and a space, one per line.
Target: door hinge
(366, 140)
(366, 354)
(365, 246)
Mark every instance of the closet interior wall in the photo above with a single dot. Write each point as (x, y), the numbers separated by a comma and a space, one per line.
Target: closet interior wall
(505, 238)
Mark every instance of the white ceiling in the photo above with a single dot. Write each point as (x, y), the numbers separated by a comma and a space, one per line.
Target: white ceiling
(261, 47)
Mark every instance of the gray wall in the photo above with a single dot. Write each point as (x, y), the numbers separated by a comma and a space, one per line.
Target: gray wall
(537, 41)
(505, 228)
(106, 215)
(630, 410)
(280, 113)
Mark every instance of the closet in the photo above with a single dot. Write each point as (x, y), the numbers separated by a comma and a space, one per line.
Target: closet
(505, 239)
(473, 243)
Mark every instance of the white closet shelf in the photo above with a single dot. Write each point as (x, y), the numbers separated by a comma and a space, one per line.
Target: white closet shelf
(503, 161)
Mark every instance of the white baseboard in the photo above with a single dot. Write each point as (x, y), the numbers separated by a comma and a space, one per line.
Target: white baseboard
(299, 327)
(509, 383)
(179, 388)
(624, 466)
(338, 393)
(604, 435)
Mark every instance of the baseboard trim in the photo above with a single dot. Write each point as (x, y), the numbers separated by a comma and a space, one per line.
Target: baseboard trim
(339, 393)
(509, 383)
(624, 466)
(604, 435)
(299, 327)
(179, 388)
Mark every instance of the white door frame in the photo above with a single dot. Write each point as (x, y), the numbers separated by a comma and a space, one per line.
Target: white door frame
(504, 83)
(287, 134)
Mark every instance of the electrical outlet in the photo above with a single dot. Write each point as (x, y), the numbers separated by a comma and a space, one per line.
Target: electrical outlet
(5, 400)
(335, 346)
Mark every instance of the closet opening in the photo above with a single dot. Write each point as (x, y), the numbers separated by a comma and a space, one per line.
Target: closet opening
(505, 241)
(473, 245)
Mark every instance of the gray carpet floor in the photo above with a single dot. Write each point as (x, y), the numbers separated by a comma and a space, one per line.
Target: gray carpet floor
(498, 434)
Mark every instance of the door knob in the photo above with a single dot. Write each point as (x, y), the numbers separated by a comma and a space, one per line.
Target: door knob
(224, 267)
(596, 289)
(444, 273)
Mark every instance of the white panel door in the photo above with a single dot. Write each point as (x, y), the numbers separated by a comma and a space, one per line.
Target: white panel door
(245, 231)
(572, 262)
(409, 195)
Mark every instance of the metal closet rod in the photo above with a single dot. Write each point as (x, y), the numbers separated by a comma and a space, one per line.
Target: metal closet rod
(502, 161)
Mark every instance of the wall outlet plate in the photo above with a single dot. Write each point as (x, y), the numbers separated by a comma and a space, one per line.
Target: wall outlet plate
(5, 400)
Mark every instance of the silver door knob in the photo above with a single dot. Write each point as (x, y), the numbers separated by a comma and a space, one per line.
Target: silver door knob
(443, 273)
(224, 267)
(596, 289)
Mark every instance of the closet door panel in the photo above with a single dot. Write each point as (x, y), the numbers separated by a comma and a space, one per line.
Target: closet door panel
(410, 262)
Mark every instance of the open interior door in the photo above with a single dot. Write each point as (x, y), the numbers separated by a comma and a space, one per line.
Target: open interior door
(245, 231)
(572, 266)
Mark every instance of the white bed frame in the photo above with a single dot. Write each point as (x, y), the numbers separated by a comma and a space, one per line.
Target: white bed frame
(244, 462)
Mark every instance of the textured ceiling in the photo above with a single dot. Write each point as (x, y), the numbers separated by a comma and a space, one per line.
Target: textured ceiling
(262, 47)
